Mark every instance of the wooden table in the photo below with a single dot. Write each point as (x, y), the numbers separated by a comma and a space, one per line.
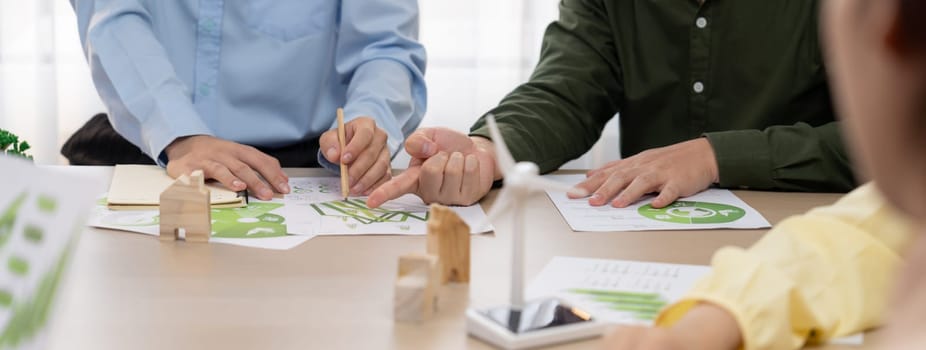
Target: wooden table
(130, 291)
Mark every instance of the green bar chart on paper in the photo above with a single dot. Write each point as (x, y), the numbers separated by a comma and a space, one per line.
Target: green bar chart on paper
(356, 209)
(616, 291)
(643, 306)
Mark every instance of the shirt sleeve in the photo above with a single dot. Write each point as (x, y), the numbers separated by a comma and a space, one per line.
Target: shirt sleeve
(383, 64)
(794, 157)
(574, 90)
(149, 105)
(813, 277)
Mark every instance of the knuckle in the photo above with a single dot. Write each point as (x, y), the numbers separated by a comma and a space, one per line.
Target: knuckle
(386, 165)
(355, 172)
(248, 149)
(432, 168)
(239, 168)
(648, 178)
(468, 200)
(213, 168)
(273, 161)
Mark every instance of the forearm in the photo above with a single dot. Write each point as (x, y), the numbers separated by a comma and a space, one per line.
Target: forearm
(385, 65)
(575, 89)
(386, 91)
(795, 157)
(148, 104)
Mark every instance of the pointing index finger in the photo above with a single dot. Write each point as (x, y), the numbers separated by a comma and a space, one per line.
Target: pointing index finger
(406, 182)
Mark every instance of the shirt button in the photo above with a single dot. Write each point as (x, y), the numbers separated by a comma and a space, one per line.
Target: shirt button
(701, 22)
(698, 87)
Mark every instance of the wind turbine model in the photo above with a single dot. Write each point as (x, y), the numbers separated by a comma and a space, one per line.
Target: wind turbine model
(538, 322)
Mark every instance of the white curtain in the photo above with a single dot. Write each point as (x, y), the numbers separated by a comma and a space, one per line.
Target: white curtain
(478, 51)
(45, 87)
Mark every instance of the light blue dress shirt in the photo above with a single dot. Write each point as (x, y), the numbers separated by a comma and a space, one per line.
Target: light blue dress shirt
(260, 72)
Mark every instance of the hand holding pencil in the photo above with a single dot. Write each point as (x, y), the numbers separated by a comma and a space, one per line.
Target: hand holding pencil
(363, 156)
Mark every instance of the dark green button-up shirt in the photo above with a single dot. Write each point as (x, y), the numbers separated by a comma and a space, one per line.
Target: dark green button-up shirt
(746, 74)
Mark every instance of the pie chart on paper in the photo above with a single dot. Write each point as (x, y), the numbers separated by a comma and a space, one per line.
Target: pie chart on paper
(690, 212)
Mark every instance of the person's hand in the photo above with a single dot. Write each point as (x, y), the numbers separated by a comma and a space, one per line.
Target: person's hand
(704, 327)
(447, 167)
(907, 312)
(234, 165)
(674, 171)
(365, 152)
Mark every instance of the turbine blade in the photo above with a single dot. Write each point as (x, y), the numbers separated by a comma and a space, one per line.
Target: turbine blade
(540, 183)
(505, 160)
(501, 206)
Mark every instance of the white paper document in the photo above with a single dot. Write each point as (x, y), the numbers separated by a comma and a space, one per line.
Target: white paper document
(622, 291)
(254, 226)
(710, 209)
(42, 212)
(617, 291)
(314, 207)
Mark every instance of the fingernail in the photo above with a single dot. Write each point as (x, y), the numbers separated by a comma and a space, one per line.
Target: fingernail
(357, 189)
(332, 153)
(471, 162)
(284, 187)
(266, 193)
(347, 157)
(426, 149)
(237, 184)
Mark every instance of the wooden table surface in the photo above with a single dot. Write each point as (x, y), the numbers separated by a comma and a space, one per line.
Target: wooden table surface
(130, 291)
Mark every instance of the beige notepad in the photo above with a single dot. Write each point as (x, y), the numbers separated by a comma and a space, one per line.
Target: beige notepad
(139, 187)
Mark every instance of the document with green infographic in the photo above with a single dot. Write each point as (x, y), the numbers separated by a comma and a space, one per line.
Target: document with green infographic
(313, 208)
(710, 209)
(623, 291)
(42, 212)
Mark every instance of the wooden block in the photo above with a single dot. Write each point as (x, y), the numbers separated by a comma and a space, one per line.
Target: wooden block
(185, 206)
(416, 288)
(448, 239)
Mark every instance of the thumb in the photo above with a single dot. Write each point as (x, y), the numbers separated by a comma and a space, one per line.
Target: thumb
(330, 147)
(420, 144)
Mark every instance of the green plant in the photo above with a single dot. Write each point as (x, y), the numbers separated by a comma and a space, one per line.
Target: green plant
(10, 144)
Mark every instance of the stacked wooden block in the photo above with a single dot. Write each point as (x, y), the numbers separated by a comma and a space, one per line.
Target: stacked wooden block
(446, 260)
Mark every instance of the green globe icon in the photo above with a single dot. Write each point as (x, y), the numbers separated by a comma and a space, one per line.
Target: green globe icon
(689, 212)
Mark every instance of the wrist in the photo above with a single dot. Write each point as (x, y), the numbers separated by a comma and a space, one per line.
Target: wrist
(711, 160)
(487, 147)
(176, 149)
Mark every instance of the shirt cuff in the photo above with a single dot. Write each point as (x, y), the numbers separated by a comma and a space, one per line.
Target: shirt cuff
(743, 159)
(168, 121)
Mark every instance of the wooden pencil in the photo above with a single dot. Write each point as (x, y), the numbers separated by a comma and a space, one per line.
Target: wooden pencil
(342, 139)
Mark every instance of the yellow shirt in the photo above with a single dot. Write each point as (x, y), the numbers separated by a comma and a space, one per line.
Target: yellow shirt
(813, 277)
